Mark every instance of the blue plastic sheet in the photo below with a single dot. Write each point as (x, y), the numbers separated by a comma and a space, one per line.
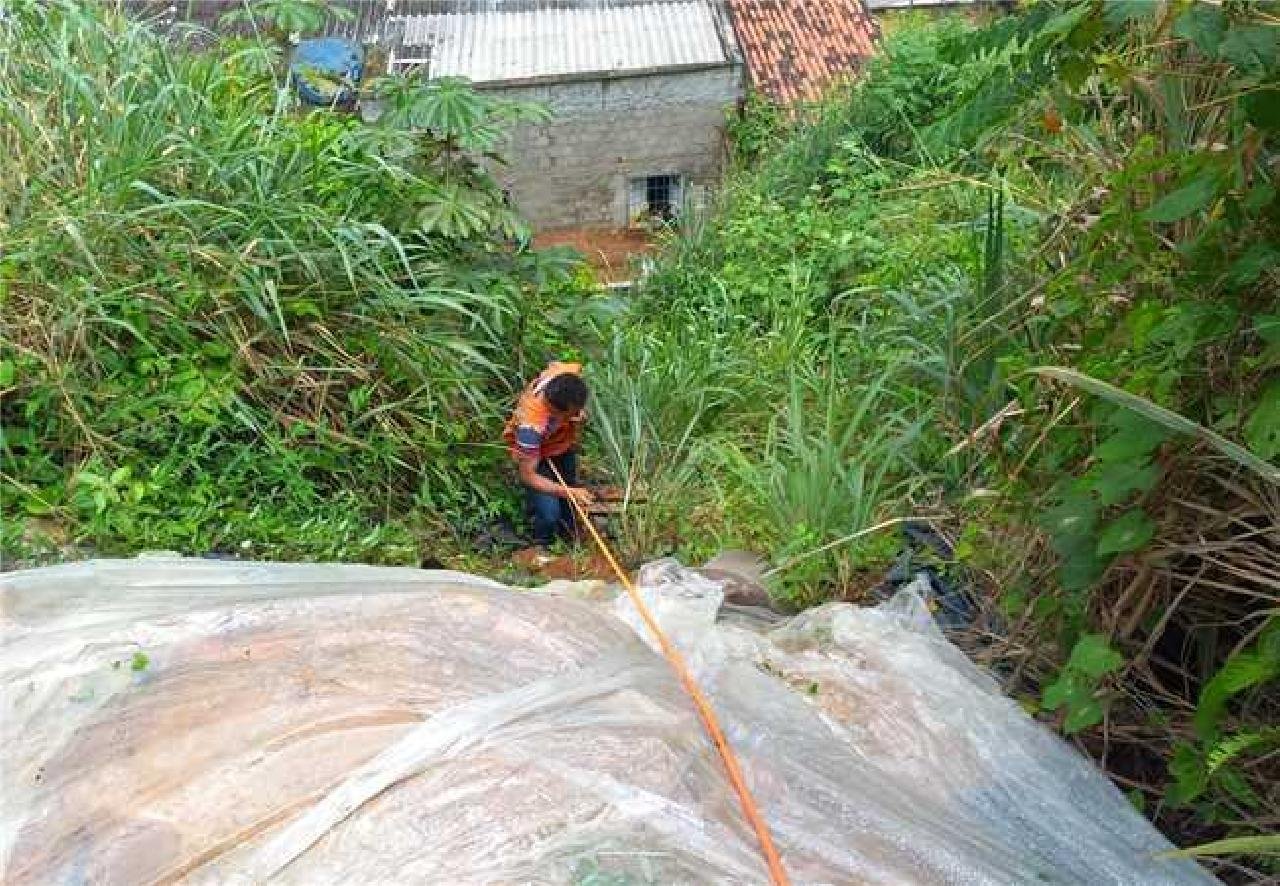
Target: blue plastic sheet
(327, 71)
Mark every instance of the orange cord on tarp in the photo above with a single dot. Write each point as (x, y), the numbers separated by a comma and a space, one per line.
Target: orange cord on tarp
(777, 873)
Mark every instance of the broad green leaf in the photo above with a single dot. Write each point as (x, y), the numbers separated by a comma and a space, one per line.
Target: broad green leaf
(1263, 844)
(1262, 107)
(1074, 71)
(1142, 319)
(1129, 532)
(1093, 656)
(1121, 12)
(1192, 198)
(1262, 430)
(1204, 25)
(1083, 716)
(1257, 259)
(1074, 518)
(1267, 326)
(8, 372)
(1260, 196)
(1223, 752)
(1134, 439)
(1082, 569)
(302, 308)
(1071, 528)
(1045, 607)
(1067, 690)
(36, 507)
(1065, 22)
(454, 211)
(89, 480)
(1190, 779)
(298, 16)
(1114, 482)
(451, 108)
(1234, 783)
(1165, 417)
(1057, 692)
(1251, 47)
(1124, 448)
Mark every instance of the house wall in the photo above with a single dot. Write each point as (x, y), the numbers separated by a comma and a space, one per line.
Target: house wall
(574, 171)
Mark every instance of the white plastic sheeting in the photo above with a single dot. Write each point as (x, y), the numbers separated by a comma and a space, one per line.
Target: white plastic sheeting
(212, 722)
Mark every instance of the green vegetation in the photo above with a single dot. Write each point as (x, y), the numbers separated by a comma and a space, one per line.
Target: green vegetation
(1021, 281)
(1023, 278)
(233, 325)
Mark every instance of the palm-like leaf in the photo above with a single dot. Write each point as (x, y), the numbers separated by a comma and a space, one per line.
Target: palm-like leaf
(451, 110)
(448, 108)
(454, 210)
(289, 16)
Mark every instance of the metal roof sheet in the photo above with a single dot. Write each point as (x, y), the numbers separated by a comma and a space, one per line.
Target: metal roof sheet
(507, 45)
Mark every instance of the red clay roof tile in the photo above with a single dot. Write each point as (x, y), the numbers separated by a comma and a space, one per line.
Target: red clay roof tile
(795, 49)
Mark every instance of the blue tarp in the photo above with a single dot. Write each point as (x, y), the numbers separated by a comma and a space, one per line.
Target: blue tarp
(327, 70)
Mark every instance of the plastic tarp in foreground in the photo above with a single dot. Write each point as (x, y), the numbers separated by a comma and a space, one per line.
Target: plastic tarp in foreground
(212, 722)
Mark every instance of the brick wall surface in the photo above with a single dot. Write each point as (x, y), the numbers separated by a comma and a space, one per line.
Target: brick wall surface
(574, 170)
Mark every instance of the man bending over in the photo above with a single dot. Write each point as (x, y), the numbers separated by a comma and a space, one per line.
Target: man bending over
(544, 432)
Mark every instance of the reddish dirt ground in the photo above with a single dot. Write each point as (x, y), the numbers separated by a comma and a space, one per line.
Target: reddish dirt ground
(610, 253)
(564, 566)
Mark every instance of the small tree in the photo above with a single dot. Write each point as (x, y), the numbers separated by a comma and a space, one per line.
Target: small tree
(284, 20)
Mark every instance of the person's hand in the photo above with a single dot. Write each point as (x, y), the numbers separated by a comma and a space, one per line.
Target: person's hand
(583, 497)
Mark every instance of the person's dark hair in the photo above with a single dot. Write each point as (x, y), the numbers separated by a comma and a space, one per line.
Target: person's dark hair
(566, 392)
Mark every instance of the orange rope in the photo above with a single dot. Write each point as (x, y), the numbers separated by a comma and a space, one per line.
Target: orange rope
(777, 873)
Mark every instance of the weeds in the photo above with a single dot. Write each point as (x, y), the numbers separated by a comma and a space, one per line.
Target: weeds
(1023, 273)
(218, 306)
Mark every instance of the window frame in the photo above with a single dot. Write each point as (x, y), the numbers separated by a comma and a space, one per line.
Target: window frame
(641, 187)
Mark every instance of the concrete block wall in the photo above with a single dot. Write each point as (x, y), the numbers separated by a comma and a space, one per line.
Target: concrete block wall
(575, 170)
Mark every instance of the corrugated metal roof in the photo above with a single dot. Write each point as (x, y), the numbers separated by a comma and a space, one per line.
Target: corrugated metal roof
(507, 45)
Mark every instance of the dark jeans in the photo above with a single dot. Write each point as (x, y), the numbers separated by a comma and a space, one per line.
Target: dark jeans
(552, 515)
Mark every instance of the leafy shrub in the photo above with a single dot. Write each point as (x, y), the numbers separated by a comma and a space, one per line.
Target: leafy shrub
(1043, 248)
(218, 305)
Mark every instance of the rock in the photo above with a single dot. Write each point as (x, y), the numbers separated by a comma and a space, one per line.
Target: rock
(742, 575)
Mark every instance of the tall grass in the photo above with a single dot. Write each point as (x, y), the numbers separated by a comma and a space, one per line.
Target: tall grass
(787, 455)
(200, 281)
(1017, 257)
(836, 460)
(659, 399)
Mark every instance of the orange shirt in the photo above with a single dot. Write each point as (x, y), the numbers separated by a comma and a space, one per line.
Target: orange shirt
(534, 430)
